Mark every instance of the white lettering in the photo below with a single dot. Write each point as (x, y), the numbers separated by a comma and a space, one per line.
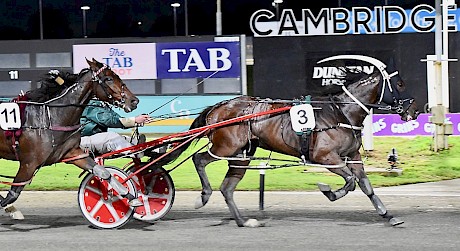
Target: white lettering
(215, 58)
(429, 128)
(182, 113)
(340, 21)
(173, 58)
(219, 60)
(404, 127)
(14, 74)
(379, 125)
(338, 72)
(194, 60)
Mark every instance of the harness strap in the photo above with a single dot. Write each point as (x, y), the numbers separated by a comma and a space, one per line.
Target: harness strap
(65, 128)
(355, 99)
(359, 128)
(352, 127)
(305, 146)
(15, 183)
(81, 156)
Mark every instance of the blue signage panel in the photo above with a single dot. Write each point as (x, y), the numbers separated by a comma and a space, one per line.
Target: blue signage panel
(198, 60)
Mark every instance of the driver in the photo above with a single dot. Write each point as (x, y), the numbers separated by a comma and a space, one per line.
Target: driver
(97, 118)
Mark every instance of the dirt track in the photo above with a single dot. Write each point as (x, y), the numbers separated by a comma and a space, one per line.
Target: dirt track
(294, 221)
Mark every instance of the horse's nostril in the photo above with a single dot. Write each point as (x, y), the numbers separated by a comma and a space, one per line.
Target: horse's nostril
(135, 101)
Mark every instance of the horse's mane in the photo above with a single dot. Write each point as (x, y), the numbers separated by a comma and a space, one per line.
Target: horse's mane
(354, 75)
(49, 88)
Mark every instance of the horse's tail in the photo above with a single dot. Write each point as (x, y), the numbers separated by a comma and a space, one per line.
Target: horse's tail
(197, 122)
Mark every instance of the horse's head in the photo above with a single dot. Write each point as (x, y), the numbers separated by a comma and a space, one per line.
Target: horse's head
(110, 87)
(391, 88)
(393, 92)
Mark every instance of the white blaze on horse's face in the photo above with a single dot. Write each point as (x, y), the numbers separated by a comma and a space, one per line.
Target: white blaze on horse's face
(113, 88)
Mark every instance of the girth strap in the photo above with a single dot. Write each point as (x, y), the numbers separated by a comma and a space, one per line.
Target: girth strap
(65, 128)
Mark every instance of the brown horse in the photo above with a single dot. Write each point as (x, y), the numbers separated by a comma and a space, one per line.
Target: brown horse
(333, 142)
(51, 122)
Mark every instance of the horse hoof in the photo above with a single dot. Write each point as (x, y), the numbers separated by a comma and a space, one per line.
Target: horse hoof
(395, 221)
(252, 223)
(324, 187)
(14, 213)
(199, 202)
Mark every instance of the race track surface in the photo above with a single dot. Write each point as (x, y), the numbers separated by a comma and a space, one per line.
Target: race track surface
(293, 221)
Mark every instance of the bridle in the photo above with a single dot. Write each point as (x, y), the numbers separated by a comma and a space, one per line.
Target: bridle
(396, 103)
(103, 82)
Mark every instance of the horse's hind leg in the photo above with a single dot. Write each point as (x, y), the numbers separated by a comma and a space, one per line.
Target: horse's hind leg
(232, 178)
(201, 160)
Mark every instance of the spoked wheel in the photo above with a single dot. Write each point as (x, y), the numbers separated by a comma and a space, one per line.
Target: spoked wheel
(157, 191)
(102, 206)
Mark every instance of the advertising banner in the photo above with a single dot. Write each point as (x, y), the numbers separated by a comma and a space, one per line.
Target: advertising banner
(129, 61)
(341, 21)
(392, 125)
(198, 60)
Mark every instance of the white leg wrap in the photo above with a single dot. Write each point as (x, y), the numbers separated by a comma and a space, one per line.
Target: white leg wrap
(101, 172)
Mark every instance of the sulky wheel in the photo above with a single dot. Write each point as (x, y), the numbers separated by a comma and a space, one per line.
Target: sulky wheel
(101, 205)
(157, 190)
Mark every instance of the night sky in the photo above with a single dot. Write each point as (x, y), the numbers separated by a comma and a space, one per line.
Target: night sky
(19, 19)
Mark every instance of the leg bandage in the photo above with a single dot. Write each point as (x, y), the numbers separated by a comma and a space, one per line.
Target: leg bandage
(102, 173)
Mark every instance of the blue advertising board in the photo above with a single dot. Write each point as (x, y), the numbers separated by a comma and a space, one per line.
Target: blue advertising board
(198, 60)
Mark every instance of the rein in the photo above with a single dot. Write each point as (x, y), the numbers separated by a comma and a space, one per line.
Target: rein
(191, 88)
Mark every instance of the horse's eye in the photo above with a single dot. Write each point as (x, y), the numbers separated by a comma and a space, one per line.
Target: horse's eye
(400, 84)
(109, 79)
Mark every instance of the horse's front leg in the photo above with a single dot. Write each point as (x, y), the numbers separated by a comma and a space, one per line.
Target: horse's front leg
(14, 213)
(12, 196)
(366, 187)
(343, 171)
(23, 177)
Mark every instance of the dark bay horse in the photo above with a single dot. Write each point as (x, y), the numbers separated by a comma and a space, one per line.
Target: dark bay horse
(51, 122)
(334, 142)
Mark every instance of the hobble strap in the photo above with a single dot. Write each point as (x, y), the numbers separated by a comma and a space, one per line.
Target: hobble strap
(305, 145)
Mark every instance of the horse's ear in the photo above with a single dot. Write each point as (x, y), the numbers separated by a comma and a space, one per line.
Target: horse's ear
(391, 65)
(92, 64)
